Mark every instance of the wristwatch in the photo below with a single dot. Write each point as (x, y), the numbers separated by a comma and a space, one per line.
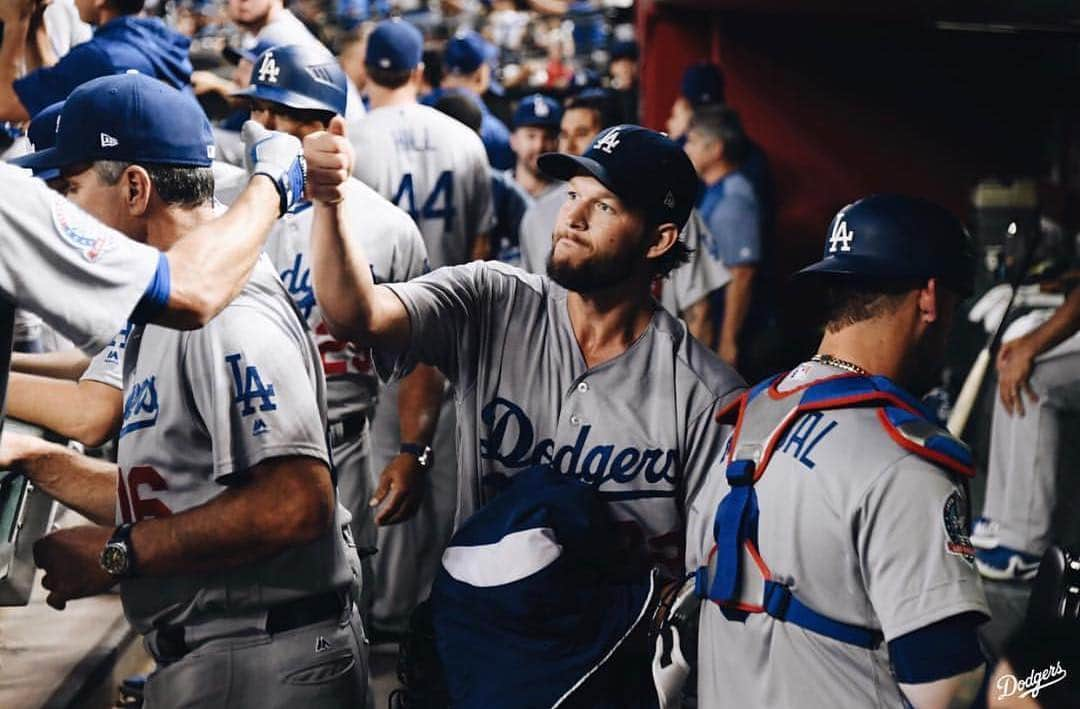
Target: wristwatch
(118, 557)
(422, 453)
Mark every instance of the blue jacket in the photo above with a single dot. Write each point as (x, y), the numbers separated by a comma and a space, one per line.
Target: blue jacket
(145, 44)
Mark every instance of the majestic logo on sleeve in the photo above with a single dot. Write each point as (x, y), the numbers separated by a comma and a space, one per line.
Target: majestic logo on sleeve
(141, 406)
(87, 236)
(249, 387)
(841, 238)
(511, 441)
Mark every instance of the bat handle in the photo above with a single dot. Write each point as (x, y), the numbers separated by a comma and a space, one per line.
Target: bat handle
(965, 401)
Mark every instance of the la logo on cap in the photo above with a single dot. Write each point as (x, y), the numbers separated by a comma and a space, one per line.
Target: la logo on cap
(107, 141)
(609, 142)
(841, 238)
(669, 200)
(540, 108)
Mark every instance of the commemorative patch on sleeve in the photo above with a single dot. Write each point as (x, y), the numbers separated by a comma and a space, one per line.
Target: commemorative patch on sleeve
(954, 516)
(79, 230)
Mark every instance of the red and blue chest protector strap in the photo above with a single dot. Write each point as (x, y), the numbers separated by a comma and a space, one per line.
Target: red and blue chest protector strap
(763, 417)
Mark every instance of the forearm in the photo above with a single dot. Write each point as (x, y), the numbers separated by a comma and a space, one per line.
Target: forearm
(87, 485)
(353, 307)
(243, 524)
(210, 265)
(940, 694)
(737, 302)
(88, 412)
(12, 65)
(419, 400)
(699, 322)
(481, 247)
(66, 364)
(1062, 324)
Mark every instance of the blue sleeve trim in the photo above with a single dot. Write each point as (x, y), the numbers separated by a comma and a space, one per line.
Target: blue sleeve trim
(947, 648)
(156, 296)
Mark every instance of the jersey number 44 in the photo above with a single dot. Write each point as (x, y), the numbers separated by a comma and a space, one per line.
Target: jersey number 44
(439, 204)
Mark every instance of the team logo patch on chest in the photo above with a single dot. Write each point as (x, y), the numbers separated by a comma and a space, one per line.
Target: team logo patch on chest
(91, 239)
(954, 516)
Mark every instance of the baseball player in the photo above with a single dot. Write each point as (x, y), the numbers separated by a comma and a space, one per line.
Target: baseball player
(55, 254)
(1037, 367)
(467, 69)
(421, 160)
(435, 169)
(729, 206)
(300, 98)
(580, 369)
(122, 41)
(227, 541)
(536, 131)
(832, 540)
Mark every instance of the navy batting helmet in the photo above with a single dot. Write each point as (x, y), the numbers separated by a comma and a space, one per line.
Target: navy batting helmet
(298, 76)
(891, 236)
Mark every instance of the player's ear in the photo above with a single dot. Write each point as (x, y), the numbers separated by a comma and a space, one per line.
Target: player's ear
(137, 190)
(661, 239)
(928, 301)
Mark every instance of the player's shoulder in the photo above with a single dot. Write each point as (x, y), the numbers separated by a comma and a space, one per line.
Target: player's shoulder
(376, 213)
(694, 360)
(497, 276)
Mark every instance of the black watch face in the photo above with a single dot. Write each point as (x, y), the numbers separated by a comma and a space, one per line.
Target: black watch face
(114, 559)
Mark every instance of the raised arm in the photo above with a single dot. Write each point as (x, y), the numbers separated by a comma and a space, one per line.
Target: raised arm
(209, 266)
(16, 18)
(353, 307)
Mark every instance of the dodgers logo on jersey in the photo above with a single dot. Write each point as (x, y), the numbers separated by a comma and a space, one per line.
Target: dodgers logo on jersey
(87, 236)
(841, 238)
(297, 280)
(114, 354)
(249, 387)
(511, 441)
(141, 406)
(608, 142)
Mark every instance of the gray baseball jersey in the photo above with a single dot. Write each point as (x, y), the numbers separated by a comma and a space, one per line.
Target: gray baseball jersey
(537, 225)
(202, 408)
(864, 532)
(395, 252)
(107, 366)
(640, 426)
(693, 281)
(434, 168)
(81, 277)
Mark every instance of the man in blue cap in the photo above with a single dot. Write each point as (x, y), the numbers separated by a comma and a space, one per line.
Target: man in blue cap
(123, 41)
(219, 520)
(579, 369)
(467, 68)
(536, 131)
(702, 85)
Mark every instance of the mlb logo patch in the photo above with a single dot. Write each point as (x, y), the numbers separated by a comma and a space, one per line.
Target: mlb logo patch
(89, 237)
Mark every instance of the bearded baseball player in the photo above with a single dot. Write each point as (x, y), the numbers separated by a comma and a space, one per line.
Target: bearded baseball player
(832, 539)
(302, 94)
(233, 559)
(581, 370)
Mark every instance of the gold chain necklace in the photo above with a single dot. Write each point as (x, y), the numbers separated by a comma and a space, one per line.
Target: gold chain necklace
(839, 364)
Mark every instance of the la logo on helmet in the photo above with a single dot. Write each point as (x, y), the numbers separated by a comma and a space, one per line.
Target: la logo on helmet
(268, 70)
(841, 238)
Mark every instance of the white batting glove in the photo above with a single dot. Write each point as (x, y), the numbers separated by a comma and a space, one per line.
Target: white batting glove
(669, 668)
(278, 156)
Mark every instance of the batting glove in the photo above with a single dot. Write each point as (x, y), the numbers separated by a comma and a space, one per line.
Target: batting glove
(278, 156)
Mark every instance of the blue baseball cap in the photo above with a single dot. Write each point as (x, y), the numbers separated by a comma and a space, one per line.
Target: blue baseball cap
(584, 80)
(394, 44)
(466, 52)
(42, 136)
(131, 118)
(538, 110)
(299, 76)
(703, 84)
(645, 169)
(627, 49)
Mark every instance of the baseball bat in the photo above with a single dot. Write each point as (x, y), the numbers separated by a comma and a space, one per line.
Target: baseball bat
(969, 393)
